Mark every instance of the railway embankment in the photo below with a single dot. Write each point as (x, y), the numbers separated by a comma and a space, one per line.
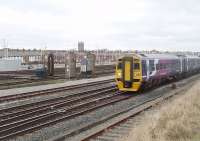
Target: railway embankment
(177, 119)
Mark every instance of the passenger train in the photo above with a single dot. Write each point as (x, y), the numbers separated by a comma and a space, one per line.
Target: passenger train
(136, 72)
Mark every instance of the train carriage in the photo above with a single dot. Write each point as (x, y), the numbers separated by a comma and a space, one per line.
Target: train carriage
(139, 71)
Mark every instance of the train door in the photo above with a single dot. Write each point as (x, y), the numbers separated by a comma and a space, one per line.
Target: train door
(148, 71)
(144, 68)
(127, 72)
(181, 65)
(184, 64)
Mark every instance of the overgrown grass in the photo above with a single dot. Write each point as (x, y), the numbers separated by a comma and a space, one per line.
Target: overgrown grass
(178, 120)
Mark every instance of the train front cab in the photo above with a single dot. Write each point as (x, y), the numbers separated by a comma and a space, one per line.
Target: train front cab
(128, 74)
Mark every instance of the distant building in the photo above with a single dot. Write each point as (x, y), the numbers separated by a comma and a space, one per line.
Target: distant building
(9, 64)
(80, 46)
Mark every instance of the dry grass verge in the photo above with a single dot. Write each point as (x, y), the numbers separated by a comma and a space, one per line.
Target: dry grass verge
(178, 120)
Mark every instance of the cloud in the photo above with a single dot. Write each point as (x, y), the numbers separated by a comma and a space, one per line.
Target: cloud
(113, 24)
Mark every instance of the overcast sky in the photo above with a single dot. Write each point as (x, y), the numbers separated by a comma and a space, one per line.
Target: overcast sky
(113, 24)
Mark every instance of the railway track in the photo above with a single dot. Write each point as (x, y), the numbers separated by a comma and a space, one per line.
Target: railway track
(25, 83)
(116, 125)
(10, 84)
(35, 82)
(49, 103)
(117, 120)
(123, 122)
(98, 73)
(59, 74)
(28, 118)
(49, 91)
(31, 117)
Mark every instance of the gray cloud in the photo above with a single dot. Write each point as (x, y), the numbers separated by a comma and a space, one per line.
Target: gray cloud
(153, 24)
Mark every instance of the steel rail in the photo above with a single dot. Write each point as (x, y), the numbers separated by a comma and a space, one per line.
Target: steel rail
(51, 106)
(61, 116)
(49, 91)
(118, 117)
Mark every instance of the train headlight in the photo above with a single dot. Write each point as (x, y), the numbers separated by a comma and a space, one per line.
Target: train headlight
(136, 74)
(119, 74)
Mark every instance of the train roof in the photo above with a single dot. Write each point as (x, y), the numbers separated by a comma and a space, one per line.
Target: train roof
(129, 55)
(192, 57)
(159, 56)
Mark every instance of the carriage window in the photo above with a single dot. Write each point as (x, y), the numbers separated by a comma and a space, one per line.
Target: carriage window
(151, 65)
(157, 67)
(119, 65)
(136, 66)
(161, 66)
